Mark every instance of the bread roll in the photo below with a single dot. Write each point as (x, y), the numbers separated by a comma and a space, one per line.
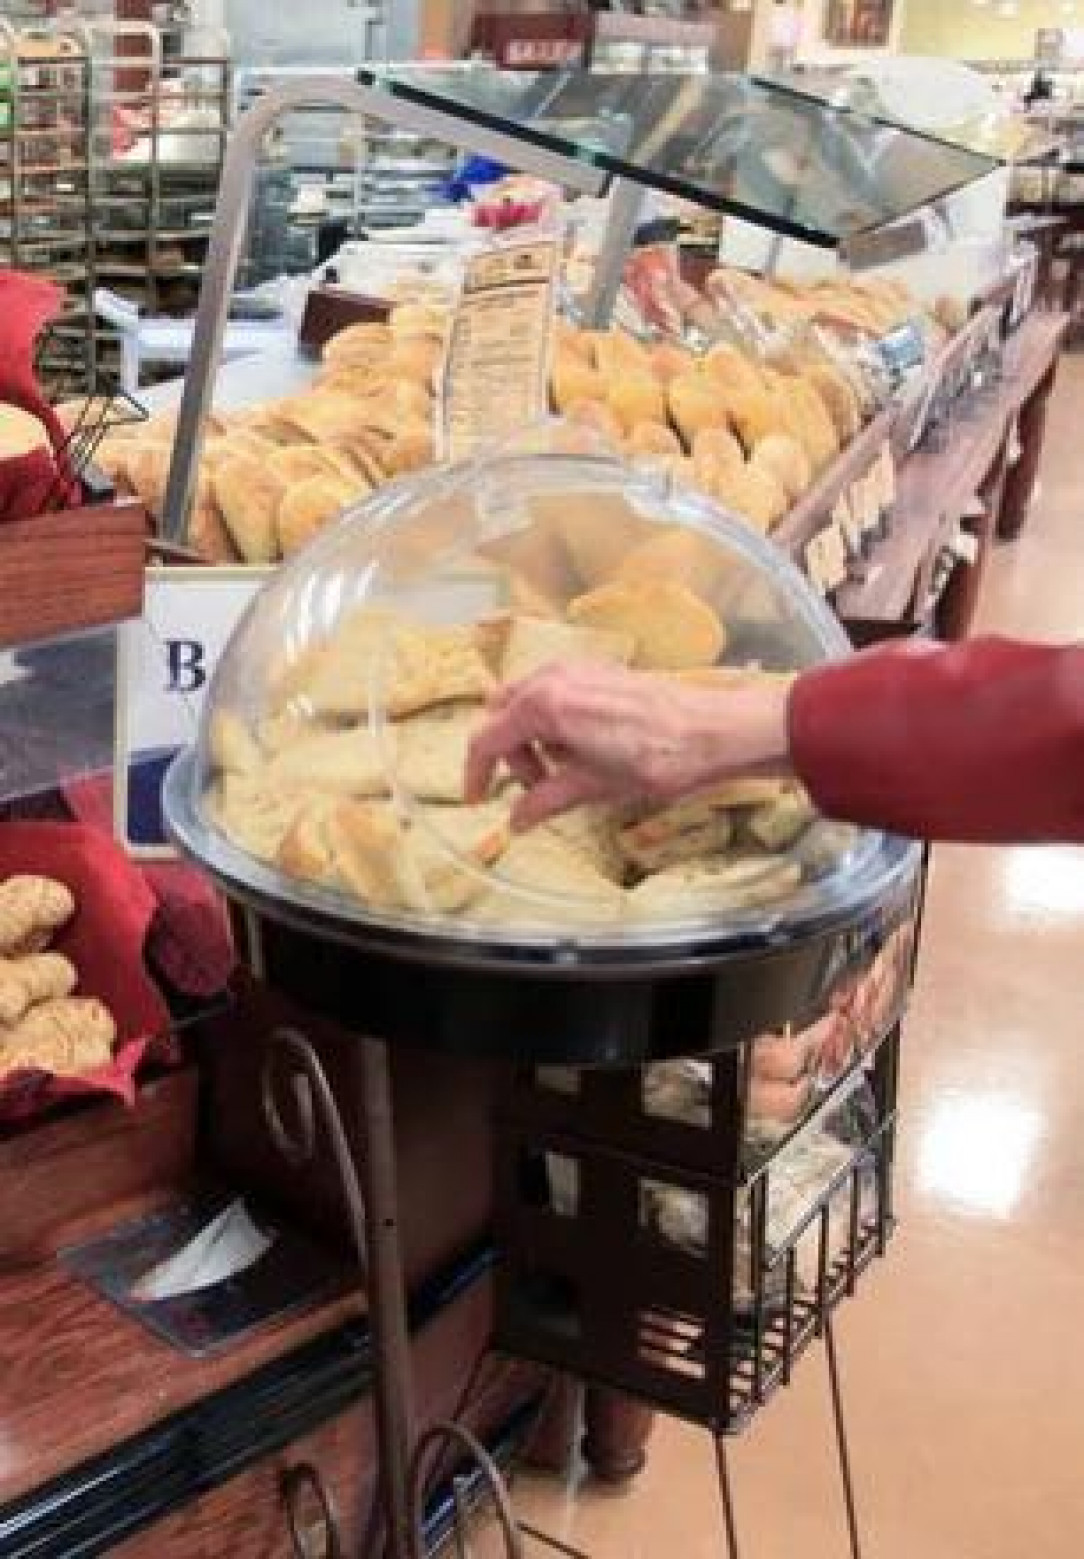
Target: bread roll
(654, 438)
(635, 398)
(310, 506)
(755, 495)
(733, 370)
(671, 627)
(695, 404)
(534, 643)
(572, 381)
(599, 418)
(248, 495)
(841, 401)
(787, 462)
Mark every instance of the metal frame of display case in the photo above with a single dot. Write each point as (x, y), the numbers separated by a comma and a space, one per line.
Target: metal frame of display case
(296, 1115)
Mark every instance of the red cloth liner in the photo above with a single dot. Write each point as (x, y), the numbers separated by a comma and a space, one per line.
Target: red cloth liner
(105, 942)
(189, 943)
(27, 482)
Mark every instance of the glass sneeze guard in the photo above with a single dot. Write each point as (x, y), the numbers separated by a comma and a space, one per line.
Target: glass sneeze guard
(751, 148)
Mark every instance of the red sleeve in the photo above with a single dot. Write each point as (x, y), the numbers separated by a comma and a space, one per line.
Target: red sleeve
(983, 743)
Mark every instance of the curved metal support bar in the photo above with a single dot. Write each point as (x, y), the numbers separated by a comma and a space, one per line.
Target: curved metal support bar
(313, 1106)
(231, 222)
(303, 1480)
(434, 1443)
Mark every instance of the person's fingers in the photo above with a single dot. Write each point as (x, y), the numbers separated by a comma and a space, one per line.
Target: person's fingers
(559, 793)
(519, 725)
(526, 767)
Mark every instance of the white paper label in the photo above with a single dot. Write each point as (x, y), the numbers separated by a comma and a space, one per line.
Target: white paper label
(496, 375)
(165, 665)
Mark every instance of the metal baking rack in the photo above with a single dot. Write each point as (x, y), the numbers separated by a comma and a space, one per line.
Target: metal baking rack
(154, 196)
(722, 1361)
(46, 205)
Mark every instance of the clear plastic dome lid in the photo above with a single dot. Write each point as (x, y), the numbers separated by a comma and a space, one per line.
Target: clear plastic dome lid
(331, 763)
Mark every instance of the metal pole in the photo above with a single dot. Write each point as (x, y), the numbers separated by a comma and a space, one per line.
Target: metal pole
(626, 204)
(393, 1385)
(726, 1494)
(842, 1443)
(231, 220)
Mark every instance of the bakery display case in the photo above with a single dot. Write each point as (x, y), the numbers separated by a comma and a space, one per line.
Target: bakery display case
(329, 777)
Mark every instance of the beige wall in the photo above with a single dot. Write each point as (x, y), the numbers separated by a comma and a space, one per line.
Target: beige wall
(960, 30)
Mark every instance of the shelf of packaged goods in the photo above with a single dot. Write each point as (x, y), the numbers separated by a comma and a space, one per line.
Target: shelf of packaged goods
(68, 572)
(810, 514)
(937, 486)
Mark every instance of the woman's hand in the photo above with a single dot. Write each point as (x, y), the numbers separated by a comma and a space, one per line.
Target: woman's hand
(572, 735)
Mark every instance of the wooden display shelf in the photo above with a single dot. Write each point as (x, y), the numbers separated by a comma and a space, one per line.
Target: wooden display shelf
(70, 572)
(936, 488)
(814, 509)
(67, 1357)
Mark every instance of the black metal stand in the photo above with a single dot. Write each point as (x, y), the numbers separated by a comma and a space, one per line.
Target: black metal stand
(407, 1461)
(839, 1417)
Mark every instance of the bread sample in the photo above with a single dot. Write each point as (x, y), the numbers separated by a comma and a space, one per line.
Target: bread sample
(534, 643)
(591, 833)
(779, 825)
(707, 888)
(690, 831)
(431, 751)
(309, 507)
(27, 982)
(413, 449)
(32, 910)
(390, 862)
(598, 531)
(431, 666)
(65, 1038)
(547, 866)
(679, 554)
(671, 627)
(248, 495)
(341, 763)
(256, 813)
(231, 745)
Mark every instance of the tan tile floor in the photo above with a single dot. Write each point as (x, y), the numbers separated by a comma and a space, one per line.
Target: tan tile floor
(964, 1358)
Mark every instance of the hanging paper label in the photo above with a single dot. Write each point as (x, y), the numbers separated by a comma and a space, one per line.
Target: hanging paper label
(496, 374)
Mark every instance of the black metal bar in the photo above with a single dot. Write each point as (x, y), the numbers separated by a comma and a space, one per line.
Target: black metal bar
(392, 1382)
(726, 1494)
(842, 1441)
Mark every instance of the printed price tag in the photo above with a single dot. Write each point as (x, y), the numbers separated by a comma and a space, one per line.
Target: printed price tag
(496, 373)
(165, 663)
